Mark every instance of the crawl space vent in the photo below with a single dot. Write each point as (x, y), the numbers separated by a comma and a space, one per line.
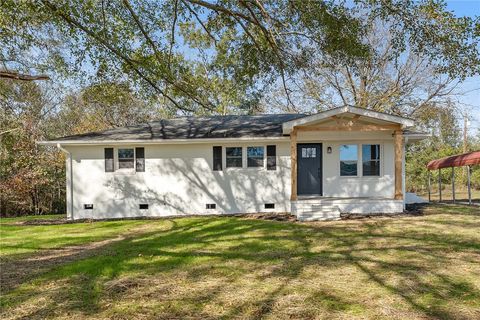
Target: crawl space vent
(211, 205)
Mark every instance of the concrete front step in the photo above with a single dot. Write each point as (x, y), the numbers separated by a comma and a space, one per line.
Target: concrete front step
(315, 213)
(319, 218)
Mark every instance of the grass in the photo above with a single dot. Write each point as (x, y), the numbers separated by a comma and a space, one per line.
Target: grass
(413, 267)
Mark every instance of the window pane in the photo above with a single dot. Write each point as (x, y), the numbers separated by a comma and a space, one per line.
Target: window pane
(349, 152)
(348, 168)
(255, 156)
(348, 159)
(370, 152)
(234, 152)
(233, 157)
(371, 159)
(371, 168)
(125, 153)
(126, 159)
(309, 152)
(234, 162)
(125, 163)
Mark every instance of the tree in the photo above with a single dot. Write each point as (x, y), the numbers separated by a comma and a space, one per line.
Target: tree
(31, 180)
(205, 57)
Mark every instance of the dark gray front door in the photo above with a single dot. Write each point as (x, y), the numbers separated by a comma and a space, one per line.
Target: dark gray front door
(309, 169)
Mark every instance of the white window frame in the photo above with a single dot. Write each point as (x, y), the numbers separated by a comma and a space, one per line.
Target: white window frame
(340, 160)
(244, 157)
(380, 161)
(117, 162)
(360, 159)
(263, 166)
(225, 157)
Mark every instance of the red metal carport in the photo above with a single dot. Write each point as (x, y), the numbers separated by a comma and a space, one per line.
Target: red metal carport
(461, 160)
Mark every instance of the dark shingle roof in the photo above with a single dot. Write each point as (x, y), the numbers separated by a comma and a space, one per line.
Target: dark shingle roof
(232, 126)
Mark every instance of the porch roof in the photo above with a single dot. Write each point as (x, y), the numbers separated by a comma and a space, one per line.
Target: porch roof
(374, 115)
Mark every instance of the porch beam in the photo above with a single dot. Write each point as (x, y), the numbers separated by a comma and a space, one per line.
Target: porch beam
(398, 164)
(349, 128)
(293, 157)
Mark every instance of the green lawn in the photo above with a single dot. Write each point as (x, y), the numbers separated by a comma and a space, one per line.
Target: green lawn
(408, 267)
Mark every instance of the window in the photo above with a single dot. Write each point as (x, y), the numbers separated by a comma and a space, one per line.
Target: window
(348, 160)
(371, 159)
(126, 159)
(255, 157)
(309, 152)
(233, 157)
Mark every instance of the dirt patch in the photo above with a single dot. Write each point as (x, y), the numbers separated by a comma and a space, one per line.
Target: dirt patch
(355, 216)
(17, 271)
(40, 222)
(269, 216)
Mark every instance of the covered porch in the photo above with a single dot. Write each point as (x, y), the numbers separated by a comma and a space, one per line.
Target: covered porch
(347, 160)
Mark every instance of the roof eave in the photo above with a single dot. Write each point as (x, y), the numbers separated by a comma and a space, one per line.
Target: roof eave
(159, 141)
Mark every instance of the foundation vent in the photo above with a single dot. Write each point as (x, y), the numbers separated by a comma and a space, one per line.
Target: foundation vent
(143, 206)
(269, 205)
(211, 206)
(88, 206)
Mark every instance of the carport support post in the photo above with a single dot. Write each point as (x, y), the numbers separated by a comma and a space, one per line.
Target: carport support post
(468, 183)
(453, 184)
(429, 186)
(439, 185)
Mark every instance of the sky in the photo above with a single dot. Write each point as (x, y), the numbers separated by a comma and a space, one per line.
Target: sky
(471, 87)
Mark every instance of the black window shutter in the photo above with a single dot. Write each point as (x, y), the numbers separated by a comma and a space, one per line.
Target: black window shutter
(217, 158)
(140, 159)
(109, 164)
(272, 157)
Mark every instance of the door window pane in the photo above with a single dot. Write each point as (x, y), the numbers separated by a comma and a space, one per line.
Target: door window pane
(348, 160)
(126, 158)
(233, 157)
(255, 156)
(371, 159)
(309, 152)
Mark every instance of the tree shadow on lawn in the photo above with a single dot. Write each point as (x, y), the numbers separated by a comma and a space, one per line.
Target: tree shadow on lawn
(199, 262)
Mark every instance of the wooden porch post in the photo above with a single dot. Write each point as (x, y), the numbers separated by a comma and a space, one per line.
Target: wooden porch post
(293, 157)
(398, 164)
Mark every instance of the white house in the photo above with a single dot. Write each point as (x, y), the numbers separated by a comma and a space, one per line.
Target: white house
(315, 166)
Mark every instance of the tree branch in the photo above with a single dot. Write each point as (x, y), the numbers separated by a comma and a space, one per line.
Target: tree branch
(22, 77)
(73, 23)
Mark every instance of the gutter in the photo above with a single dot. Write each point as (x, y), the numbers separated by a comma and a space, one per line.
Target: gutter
(162, 141)
(69, 181)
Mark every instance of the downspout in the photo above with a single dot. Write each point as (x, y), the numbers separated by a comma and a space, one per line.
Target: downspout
(69, 177)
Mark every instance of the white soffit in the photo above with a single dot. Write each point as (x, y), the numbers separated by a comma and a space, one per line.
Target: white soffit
(404, 122)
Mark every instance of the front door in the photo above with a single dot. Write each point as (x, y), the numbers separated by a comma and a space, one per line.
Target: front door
(309, 169)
